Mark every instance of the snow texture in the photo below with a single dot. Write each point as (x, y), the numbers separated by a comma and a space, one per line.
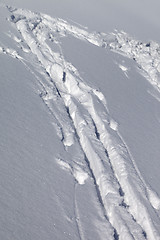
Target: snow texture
(130, 206)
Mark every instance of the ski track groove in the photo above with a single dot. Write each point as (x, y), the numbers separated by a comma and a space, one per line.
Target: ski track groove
(121, 190)
(77, 216)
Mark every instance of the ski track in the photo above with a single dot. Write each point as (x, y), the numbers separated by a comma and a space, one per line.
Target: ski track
(77, 216)
(128, 202)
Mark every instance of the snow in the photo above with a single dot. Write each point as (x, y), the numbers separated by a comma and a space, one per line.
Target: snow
(79, 126)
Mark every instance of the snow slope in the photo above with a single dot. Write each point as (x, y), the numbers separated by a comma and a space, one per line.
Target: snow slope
(96, 175)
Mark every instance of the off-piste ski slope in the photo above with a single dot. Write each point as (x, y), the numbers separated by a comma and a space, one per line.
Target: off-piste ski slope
(83, 122)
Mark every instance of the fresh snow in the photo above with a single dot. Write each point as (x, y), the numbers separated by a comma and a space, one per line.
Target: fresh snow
(82, 165)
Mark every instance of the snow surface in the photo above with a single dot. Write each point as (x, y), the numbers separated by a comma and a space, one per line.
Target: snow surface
(79, 125)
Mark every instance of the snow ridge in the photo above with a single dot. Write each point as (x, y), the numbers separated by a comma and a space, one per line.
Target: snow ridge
(127, 201)
(146, 55)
